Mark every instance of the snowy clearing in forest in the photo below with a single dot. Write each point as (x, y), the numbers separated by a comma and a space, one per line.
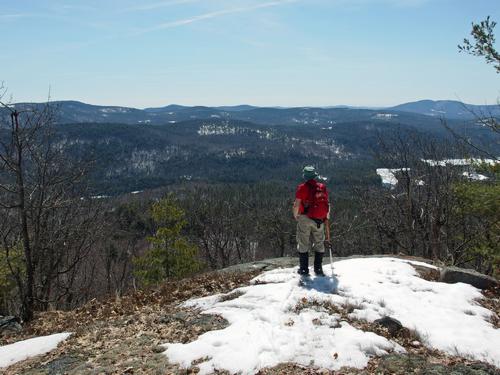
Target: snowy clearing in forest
(21, 350)
(265, 327)
(471, 161)
(387, 175)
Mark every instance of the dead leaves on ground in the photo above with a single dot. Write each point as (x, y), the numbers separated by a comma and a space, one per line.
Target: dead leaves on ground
(125, 335)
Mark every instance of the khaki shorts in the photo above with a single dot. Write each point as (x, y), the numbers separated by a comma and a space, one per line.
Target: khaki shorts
(309, 236)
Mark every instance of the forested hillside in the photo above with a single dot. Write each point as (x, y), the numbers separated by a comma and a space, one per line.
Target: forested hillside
(270, 143)
(421, 113)
(219, 191)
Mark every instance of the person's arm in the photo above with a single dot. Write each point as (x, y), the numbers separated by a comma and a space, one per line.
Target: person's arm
(327, 229)
(328, 239)
(327, 223)
(296, 208)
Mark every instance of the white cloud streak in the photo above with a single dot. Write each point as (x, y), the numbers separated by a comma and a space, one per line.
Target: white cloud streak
(397, 3)
(219, 13)
(160, 4)
(72, 7)
(15, 16)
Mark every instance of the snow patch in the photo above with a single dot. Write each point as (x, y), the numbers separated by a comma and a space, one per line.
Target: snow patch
(474, 176)
(19, 351)
(385, 116)
(388, 175)
(207, 129)
(458, 162)
(265, 329)
(437, 111)
(235, 153)
(389, 178)
(115, 110)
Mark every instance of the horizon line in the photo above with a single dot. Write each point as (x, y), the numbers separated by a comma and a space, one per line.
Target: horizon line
(257, 106)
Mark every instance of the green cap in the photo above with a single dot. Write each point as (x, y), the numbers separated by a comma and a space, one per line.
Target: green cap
(309, 172)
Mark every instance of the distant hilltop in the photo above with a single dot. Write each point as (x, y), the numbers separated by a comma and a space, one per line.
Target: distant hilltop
(77, 112)
(451, 109)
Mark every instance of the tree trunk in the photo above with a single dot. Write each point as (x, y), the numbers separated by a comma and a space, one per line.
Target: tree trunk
(27, 304)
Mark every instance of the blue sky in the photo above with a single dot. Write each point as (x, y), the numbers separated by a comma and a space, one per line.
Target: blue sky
(261, 52)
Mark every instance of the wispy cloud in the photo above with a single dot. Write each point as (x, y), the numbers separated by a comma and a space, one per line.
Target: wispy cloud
(160, 4)
(17, 15)
(409, 3)
(74, 7)
(219, 13)
(397, 3)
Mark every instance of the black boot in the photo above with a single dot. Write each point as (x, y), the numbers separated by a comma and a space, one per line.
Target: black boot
(318, 261)
(303, 264)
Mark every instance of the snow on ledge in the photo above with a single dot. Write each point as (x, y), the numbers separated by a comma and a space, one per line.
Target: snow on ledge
(21, 350)
(474, 176)
(265, 329)
(388, 175)
(460, 162)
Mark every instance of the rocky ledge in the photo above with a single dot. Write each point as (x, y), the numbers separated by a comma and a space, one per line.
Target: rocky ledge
(125, 335)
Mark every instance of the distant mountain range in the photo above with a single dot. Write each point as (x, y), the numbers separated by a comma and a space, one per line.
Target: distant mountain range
(450, 109)
(137, 149)
(78, 112)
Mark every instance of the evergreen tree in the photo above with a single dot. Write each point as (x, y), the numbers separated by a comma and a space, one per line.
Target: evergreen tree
(170, 254)
(477, 202)
(483, 43)
(478, 207)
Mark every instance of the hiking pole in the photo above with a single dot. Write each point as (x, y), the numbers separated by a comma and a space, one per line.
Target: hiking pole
(327, 230)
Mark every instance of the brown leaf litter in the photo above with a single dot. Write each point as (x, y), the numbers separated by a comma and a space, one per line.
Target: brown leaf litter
(125, 335)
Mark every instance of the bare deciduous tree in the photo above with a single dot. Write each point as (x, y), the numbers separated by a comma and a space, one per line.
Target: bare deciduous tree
(40, 197)
(417, 216)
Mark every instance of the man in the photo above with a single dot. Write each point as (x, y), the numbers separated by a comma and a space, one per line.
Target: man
(311, 210)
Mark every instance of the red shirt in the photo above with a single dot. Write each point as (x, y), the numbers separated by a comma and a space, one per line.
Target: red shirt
(304, 192)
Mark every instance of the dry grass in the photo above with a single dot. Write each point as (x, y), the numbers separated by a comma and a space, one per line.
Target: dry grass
(169, 293)
(231, 296)
(426, 273)
(491, 301)
(411, 340)
(125, 335)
